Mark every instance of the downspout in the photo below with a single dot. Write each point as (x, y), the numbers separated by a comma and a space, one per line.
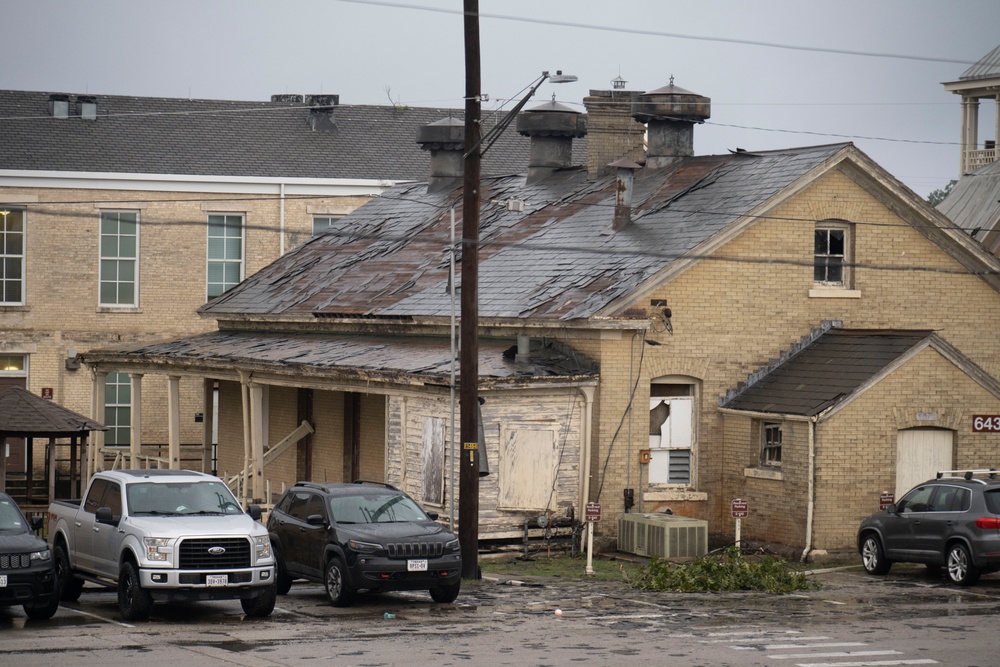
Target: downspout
(588, 429)
(281, 219)
(811, 491)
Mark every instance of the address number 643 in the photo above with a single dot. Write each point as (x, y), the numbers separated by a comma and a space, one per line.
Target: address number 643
(982, 423)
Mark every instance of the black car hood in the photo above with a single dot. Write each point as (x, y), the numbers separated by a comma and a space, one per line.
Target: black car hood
(388, 532)
(21, 542)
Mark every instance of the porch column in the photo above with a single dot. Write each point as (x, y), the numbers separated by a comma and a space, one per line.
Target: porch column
(135, 427)
(95, 455)
(257, 437)
(208, 425)
(51, 452)
(174, 421)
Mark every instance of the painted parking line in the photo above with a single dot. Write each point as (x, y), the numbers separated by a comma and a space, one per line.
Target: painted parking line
(97, 616)
(871, 663)
(776, 647)
(833, 654)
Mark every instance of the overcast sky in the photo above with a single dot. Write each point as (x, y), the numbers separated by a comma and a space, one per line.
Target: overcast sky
(370, 51)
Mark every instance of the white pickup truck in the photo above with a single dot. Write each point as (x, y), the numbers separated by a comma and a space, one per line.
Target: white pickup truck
(162, 535)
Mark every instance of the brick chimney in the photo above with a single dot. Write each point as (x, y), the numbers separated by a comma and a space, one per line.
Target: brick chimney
(321, 111)
(445, 139)
(612, 133)
(552, 128)
(670, 114)
(625, 170)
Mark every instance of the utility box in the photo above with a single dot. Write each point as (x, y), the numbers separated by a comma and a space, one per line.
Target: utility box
(662, 535)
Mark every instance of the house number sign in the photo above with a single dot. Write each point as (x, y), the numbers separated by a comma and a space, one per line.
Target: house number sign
(986, 423)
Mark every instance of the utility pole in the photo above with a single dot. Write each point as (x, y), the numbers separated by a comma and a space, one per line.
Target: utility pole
(468, 475)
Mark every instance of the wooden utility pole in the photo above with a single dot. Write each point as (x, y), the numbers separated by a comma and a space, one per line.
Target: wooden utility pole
(468, 475)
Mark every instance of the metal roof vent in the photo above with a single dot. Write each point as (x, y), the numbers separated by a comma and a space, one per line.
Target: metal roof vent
(59, 105)
(445, 139)
(321, 112)
(86, 107)
(670, 114)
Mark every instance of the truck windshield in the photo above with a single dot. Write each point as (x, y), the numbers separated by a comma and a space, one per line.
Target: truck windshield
(181, 498)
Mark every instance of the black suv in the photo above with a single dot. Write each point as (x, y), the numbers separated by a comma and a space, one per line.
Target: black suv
(948, 521)
(27, 569)
(364, 536)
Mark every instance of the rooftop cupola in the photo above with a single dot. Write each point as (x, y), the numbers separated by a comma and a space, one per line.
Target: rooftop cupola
(552, 127)
(445, 139)
(670, 114)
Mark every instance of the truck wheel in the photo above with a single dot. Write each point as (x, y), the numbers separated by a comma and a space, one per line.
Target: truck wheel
(260, 606)
(43, 611)
(69, 586)
(338, 591)
(446, 594)
(134, 602)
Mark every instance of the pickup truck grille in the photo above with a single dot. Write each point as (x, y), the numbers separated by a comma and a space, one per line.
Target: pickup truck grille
(414, 549)
(14, 561)
(204, 554)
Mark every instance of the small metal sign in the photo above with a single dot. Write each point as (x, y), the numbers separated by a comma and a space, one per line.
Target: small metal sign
(885, 499)
(592, 512)
(47, 393)
(740, 508)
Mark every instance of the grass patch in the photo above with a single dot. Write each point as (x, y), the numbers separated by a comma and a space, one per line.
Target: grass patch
(562, 566)
(728, 570)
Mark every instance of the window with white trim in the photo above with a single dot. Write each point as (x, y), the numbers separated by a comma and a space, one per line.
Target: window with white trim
(671, 433)
(770, 445)
(323, 222)
(225, 252)
(118, 410)
(119, 273)
(12, 257)
(831, 254)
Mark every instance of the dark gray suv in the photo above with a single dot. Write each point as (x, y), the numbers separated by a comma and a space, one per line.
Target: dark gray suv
(951, 522)
(362, 537)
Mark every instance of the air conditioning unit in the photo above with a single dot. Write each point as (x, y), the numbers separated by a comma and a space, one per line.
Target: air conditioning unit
(662, 535)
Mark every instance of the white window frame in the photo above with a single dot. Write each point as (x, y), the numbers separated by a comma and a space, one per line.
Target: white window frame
(114, 409)
(771, 435)
(674, 439)
(321, 223)
(225, 222)
(845, 257)
(10, 259)
(119, 261)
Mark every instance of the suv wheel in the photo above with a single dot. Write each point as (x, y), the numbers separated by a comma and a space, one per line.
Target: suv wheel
(960, 569)
(446, 594)
(43, 611)
(873, 556)
(69, 586)
(337, 589)
(283, 579)
(134, 602)
(260, 606)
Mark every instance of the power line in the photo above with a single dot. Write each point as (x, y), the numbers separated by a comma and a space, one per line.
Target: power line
(672, 35)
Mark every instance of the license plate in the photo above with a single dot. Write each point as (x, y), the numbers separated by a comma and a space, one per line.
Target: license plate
(416, 565)
(217, 580)
(3, 580)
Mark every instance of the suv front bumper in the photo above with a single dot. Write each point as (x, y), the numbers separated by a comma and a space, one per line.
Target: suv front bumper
(34, 584)
(392, 574)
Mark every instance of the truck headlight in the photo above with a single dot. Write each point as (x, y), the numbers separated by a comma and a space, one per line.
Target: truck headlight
(262, 546)
(44, 554)
(157, 548)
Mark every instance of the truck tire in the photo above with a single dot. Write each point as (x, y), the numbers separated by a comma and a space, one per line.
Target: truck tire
(134, 602)
(338, 591)
(69, 586)
(260, 606)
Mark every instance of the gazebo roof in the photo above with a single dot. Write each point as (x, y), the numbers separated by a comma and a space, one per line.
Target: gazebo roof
(25, 415)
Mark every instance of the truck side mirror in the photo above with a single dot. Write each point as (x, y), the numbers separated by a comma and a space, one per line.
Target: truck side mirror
(254, 512)
(105, 516)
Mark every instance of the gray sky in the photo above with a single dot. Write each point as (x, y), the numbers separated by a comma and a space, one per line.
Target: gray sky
(369, 52)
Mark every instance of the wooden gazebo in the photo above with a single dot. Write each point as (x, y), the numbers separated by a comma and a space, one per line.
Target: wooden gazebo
(25, 415)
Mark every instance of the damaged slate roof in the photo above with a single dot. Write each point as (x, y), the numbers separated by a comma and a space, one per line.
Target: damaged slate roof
(825, 372)
(153, 135)
(974, 205)
(425, 359)
(556, 258)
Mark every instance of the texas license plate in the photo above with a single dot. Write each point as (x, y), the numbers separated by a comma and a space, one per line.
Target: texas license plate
(3, 580)
(217, 580)
(416, 565)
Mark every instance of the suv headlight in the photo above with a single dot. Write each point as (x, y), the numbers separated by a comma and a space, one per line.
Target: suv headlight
(451, 545)
(44, 554)
(157, 548)
(364, 547)
(262, 547)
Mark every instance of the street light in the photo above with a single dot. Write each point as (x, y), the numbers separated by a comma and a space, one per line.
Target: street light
(475, 146)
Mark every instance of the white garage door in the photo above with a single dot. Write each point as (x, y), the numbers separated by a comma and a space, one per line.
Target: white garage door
(920, 453)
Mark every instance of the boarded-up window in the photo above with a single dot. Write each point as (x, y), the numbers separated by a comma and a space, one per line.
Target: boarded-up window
(671, 434)
(433, 463)
(529, 460)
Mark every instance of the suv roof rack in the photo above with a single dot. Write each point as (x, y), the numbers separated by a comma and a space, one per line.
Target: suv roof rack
(969, 474)
(374, 483)
(311, 485)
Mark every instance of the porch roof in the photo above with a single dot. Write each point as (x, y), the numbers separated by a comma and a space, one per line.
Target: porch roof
(25, 415)
(425, 359)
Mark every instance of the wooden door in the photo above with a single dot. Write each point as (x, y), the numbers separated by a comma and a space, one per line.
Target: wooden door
(920, 453)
